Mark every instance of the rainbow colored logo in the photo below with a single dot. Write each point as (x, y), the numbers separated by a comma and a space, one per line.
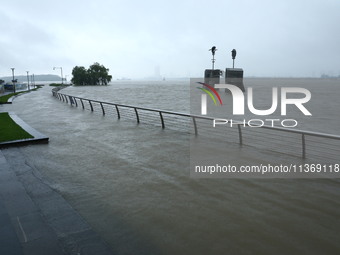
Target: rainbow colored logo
(210, 89)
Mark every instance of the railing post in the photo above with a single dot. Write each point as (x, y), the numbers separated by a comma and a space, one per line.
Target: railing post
(82, 103)
(303, 146)
(91, 105)
(118, 113)
(101, 104)
(195, 125)
(162, 120)
(137, 116)
(62, 96)
(66, 99)
(240, 134)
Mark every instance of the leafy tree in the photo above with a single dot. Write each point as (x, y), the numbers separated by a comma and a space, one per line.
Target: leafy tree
(79, 75)
(96, 75)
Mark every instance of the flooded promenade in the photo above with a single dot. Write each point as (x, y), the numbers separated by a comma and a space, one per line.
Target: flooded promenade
(131, 183)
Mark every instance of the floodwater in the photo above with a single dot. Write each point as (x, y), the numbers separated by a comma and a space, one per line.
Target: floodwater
(131, 182)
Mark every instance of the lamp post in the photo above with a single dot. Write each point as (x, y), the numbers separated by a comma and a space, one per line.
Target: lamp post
(233, 55)
(61, 70)
(213, 50)
(28, 81)
(32, 80)
(13, 81)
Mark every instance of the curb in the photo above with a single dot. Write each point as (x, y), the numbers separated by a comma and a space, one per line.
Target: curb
(10, 100)
(38, 137)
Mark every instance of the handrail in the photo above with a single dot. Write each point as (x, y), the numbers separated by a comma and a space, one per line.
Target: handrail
(298, 131)
(193, 117)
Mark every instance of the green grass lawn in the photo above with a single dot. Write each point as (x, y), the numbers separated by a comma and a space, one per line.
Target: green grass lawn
(9, 130)
(4, 99)
(57, 85)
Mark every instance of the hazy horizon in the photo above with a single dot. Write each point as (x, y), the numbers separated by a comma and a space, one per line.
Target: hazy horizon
(147, 39)
(23, 78)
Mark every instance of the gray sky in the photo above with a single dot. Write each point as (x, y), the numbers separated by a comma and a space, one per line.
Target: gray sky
(131, 38)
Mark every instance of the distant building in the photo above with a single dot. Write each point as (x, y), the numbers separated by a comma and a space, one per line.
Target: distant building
(326, 76)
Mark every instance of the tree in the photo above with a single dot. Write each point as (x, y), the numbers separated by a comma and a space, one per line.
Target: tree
(96, 75)
(79, 75)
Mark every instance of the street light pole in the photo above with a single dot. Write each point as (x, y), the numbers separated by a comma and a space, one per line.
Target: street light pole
(233, 55)
(61, 70)
(213, 50)
(32, 80)
(13, 81)
(28, 81)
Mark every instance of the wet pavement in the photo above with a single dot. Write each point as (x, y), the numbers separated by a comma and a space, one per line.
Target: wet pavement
(34, 218)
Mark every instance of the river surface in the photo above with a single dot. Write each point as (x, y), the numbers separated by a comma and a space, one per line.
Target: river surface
(131, 182)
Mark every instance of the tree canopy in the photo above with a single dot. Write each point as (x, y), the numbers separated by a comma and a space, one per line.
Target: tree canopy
(96, 74)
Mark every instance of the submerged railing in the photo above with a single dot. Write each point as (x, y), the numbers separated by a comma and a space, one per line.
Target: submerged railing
(290, 141)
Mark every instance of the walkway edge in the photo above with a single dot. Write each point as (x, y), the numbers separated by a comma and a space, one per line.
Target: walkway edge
(38, 137)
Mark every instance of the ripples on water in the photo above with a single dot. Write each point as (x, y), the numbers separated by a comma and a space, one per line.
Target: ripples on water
(167, 95)
(131, 182)
(174, 95)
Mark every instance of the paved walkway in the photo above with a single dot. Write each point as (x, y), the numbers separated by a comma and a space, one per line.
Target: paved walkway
(34, 219)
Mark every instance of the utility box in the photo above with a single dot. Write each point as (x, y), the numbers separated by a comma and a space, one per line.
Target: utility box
(212, 76)
(234, 76)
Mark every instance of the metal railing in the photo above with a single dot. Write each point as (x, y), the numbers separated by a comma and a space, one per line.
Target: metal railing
(284, 140)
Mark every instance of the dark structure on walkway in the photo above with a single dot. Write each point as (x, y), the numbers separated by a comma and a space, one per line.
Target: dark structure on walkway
(234, 75)
(212, 76)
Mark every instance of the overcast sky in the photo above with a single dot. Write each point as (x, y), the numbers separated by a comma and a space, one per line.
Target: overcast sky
(132, 38)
